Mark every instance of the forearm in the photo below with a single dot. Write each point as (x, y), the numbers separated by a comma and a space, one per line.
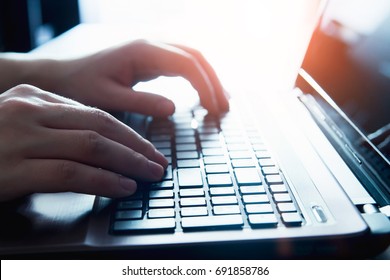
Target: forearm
(18, 69)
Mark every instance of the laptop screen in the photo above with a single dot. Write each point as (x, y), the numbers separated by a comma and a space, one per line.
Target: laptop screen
(349, 57)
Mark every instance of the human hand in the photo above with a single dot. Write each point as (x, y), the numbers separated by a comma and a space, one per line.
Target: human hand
(105, 79)
(49, 143)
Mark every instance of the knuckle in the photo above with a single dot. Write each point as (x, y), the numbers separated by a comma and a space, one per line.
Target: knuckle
(66, 172)
(92, 143)
(105, 121)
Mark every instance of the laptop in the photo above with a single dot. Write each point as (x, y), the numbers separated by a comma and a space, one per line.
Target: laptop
(299, 174)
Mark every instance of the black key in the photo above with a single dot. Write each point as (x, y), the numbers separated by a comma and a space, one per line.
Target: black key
(161, 194)
(162, 185)
(131, 204)
(212, 222)
(262, 220)
(128, 215)
(165, 224)
(168, 173)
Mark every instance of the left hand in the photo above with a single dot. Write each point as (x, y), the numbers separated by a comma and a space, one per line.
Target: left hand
(105, 79)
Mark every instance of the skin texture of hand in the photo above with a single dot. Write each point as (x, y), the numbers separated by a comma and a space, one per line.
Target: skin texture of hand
(50, 143)
(105, 79)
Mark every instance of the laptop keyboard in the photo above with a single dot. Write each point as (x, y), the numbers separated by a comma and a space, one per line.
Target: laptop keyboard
(220, 176)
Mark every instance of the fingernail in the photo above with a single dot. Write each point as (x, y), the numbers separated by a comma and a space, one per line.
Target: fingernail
(128, 185)
(156, 169)
(165, 108)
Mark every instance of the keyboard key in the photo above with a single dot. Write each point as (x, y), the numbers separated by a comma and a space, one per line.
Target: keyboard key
(209, 137)
(270, 170)
(278, 188)
(246, 162)
(214, 160)
(168, 173)
(217, 168)
(286, 207)
(161, 203)
(185, 147)
(292, 219)
(185, 132)
(259, 208)
(210, 144)
(189, 177)
(252, 189)
(259, 147)
(162, 144)
(234, 139)
(162, 185)
(166, 224)
(161, 137)
(187, 155)
(131, 204)
(192, 201)
(223, 200)
(255, 198)
(128, 215)
(161, 213)
(237, 147)
(212, 152)
(262, 220)
(274, 179)
(226, 209)
(165, 151)
(266, 162)
(240, 154)
(185, 140)
(222, 191)
(191, 192)
(223, 179)
(185, 163)
(161, 194)
(247, 176)
(194, 211)
(211, 222)
(263, 154)
(282, 197)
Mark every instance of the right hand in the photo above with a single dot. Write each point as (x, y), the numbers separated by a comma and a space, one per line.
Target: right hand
(49, 143)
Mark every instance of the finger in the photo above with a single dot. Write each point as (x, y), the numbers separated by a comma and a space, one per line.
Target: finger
(61, 175)
(90, 148)
(144, 103)
(221, 94)
(165, 60)
(61, 116)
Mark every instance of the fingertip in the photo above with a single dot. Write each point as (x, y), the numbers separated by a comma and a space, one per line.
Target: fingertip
(165, 108)
(128, 186)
